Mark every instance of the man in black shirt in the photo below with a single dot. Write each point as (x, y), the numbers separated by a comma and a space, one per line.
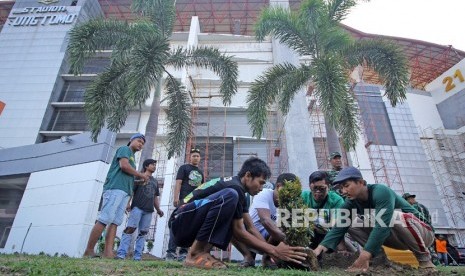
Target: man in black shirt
(188, 178)
(144, 200)
(214, 214)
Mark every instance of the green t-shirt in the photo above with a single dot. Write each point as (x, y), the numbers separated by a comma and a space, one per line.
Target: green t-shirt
(333, 201)
(380, 197)
(116, 178)
(422, 209)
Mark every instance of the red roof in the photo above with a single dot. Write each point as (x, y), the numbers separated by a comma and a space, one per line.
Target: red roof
(427, 60)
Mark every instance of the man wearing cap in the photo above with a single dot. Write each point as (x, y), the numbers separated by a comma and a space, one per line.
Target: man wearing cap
(144, 200)
(117, 189)
(374, 215)
(420, 207)
(323, 201)
(189, 177)
(336, 163)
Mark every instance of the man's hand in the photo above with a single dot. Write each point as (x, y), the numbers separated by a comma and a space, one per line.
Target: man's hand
(289, 253)
(144, 177)
(128, 208)
(176, 202)
(160, 213)
(362, 263)
(319, 249)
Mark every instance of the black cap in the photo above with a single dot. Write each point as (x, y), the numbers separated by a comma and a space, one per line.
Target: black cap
(347, 173)
(195, 150)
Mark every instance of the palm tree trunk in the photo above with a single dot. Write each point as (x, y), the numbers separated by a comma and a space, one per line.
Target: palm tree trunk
(332, 139)
(152, 126)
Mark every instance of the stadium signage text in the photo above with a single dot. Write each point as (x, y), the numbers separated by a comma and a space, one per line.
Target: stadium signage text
(41, 16)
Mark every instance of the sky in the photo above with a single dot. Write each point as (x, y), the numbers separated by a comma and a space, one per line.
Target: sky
(437, 21)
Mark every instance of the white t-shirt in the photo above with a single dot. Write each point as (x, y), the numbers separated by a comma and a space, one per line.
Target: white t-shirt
(263, 200)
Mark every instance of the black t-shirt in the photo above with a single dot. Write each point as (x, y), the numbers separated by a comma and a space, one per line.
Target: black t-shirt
(230, 182)
(191, 177)
(144, 195)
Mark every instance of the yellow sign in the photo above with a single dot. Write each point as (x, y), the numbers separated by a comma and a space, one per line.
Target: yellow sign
(449, 80)
(48, 2)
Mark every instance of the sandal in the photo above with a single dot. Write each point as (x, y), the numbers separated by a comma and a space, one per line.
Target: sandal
(204, 261)
(247, 264)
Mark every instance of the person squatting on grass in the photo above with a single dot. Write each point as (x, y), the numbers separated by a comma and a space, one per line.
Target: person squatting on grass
(216, 214)
(263, 213)
(394, 223)
(141, 209)
(117, 189)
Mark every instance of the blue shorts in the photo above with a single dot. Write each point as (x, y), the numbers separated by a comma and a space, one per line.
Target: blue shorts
(113, 207)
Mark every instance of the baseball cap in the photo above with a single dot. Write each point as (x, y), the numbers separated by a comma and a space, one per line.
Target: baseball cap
(407, 195)
(135, 136)
(195, 150)
(347, 173)
(334, 154)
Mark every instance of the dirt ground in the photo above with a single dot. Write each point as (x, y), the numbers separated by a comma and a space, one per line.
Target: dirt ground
(378, 266)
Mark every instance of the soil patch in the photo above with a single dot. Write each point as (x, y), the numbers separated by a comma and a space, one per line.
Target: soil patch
(378, 266)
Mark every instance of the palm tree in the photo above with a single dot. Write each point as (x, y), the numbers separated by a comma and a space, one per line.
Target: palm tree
(140, 56)
(315, 31)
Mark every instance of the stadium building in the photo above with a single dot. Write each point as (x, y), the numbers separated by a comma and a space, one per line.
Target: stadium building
(51, 173)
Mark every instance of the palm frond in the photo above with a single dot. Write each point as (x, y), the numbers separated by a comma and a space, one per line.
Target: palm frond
(387, 60)
(161, 12)
(177, 115)
(147, 59)
(333, 38)
(103, 96)
(263, 93)
(212, 59)
(295, 80)
(92, 36)
(339, 9)
(348, 126)
(330, 79)
(285, 26)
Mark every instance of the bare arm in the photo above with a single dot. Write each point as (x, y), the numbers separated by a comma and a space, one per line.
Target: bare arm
(177, 190)
(270, 225)
(127, 168)
(250, 227)
(156, 204)
(282, 251)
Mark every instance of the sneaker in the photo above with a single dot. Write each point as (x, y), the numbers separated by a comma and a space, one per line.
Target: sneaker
(170, 257)
(182, 257)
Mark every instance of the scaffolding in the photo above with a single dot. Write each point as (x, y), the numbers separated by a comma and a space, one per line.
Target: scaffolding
(380, 151)
(317, 121)
(446, 156)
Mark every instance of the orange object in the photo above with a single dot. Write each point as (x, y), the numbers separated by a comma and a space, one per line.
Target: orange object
(401, 256)
(441, 246)
(2, 106)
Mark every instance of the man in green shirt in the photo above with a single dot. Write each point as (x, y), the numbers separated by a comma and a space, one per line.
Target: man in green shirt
(117, 189)
(374, 215)
(420, 207)
(323, 201)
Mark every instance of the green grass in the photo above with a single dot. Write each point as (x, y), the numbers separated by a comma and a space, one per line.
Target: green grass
(45, 265)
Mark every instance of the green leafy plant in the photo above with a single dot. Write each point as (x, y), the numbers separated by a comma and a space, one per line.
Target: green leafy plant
(298, 231)
(149, 245)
